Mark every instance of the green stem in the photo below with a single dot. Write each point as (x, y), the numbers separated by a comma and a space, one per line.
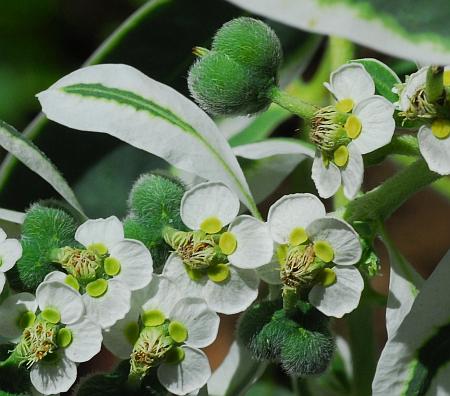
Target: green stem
(400, 144)
(362, 347)
(341, 51)
(381, 202)
(434, 88)
(299, 386)
(289, 300)
(293, 104)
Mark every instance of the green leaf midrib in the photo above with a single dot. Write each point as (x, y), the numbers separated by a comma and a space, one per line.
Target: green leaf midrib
(127, 98)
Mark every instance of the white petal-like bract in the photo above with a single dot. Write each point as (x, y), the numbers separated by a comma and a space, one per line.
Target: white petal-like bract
(435, 151)
(292, 211)
(207, 200)
(107, 231)
(326, 179)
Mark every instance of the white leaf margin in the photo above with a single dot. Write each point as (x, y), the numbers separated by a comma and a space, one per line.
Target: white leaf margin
(345, 20)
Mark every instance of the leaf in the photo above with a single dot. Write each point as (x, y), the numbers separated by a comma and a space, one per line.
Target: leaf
(236, 374)
(413, 30)
(271, 160)
(12, 216)
(419, 350)
(33, 158)
(157, 39)
(125, 103)
(404, 285)
(384, 77)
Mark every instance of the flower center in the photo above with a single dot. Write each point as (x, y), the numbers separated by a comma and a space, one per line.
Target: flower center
(38, 341)
(149, 350)
(80, 263)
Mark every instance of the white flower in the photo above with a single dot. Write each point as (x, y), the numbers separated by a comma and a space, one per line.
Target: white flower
(359, 123)
(10, 252)
(57, 339)
(16, 313)
(434, 145)
(214, 261)
(316, 253)
(167, 331)
(107, 271)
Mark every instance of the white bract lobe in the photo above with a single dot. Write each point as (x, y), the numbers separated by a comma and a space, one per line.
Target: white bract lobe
(217, 257)
(10, 252)
(358, 123)
(163, 331)
(316, 254)
(106, 270)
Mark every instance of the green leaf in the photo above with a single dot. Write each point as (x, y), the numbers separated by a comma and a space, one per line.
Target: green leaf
(33, 158)
(384, 77)
(415, 30)
(417, 356)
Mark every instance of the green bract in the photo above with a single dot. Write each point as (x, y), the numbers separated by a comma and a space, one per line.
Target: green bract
(237, 75)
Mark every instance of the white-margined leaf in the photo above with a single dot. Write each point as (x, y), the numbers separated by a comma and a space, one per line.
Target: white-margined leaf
(236, 374)
(415, 357)
(269, 162)
(12, 216)
(125, 103)
(33, 158)
(416, 30)
(404, 285)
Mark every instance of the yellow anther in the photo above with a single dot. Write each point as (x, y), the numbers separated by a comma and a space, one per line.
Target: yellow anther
(211, 225)
(345, 105)
(353, 127)
(441, 128)
(340, 156)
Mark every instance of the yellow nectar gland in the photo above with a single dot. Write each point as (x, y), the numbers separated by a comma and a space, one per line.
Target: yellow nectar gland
(178, 332)
(153, 318)
(218, 273)
(112, 266)
(447, 78)
(97, 288)
(72, 282)
(340, 156)
(98, 248)
(298, 236)
(211, 225)
(345, 105)
(131, 332)
(326, 277)
(64, 337)
(353, 127)
(51, 315)
(441, 128)
(324, 251)
(227, 243)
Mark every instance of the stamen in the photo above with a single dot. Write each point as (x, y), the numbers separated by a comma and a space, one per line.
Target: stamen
(82, 264)
(299, 269)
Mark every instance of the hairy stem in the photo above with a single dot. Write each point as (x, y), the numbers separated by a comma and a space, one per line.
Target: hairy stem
(381, 202)
(293, 104)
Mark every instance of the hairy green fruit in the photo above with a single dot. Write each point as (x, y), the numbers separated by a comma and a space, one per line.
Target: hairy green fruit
(154, 204)
(300, 341)
(250, 42)
(238, 75)
(43, 230)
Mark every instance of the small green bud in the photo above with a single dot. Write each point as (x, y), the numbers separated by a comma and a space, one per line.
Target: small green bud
(43, 230)
(238, 75)
(251, 43)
